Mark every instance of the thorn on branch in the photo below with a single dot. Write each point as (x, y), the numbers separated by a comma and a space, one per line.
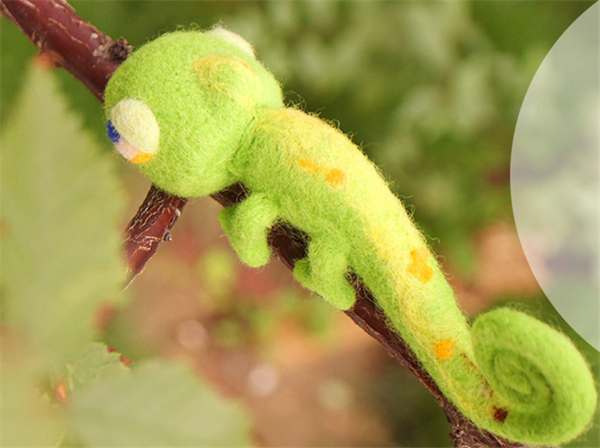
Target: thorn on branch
(151, 226)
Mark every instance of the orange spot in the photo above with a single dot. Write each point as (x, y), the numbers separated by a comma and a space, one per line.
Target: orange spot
(142, 157)
(420, 266)
(443, 349)
(60, 392)
(334, 177)
(308, 165)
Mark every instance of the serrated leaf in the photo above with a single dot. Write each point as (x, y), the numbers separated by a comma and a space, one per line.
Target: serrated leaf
(60, 219)
(94, 365)
(157, 405)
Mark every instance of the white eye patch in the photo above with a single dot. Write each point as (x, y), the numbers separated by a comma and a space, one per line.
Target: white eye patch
(233, 38)
(135, 122)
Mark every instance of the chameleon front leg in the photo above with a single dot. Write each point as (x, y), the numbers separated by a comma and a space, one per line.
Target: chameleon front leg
(324, 271)
(247, 226)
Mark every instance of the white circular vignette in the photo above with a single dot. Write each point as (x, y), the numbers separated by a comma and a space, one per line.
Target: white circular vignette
(554, 175)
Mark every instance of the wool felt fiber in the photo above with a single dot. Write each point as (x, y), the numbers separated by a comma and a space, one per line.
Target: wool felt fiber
(221, 121)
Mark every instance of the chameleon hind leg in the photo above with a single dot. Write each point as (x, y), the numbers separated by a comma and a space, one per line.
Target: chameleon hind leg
(324, 272)
(247, 227)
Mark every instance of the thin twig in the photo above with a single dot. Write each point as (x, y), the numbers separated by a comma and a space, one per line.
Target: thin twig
(91, 56)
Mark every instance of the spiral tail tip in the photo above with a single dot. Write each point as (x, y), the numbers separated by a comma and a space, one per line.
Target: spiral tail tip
(537, 375)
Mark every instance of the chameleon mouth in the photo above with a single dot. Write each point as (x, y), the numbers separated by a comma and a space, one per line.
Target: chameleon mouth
(132, 154)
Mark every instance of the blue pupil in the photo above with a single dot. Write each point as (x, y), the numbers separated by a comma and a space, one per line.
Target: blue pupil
(112, 132)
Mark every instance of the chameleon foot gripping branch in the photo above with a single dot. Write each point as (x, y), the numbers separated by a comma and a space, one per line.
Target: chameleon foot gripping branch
(197, 113)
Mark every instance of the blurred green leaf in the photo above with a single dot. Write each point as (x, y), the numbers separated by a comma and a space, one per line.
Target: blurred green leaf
(26, 417)
(157, 405)
(60, 214)
(95, 364)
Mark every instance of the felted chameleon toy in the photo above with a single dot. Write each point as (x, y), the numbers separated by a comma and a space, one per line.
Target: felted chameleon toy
(197, 113)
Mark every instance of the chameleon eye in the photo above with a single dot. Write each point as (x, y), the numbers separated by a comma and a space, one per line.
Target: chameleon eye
(112, 133)
(134, 130)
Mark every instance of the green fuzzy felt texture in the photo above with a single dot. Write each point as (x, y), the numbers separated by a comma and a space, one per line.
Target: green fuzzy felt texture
(222, 121)
(204, 93)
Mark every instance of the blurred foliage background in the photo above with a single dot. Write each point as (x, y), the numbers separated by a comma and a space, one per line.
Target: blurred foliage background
(431, 91)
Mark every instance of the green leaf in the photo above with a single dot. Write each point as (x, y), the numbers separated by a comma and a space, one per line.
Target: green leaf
(60, 215)
(95, 364)
(26, 417)
(157, 405)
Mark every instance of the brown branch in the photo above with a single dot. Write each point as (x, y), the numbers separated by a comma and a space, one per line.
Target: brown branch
(54, 27)
(92, 57)
(151, 226)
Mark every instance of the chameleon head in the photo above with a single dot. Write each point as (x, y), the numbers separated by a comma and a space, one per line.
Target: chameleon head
(180, 106)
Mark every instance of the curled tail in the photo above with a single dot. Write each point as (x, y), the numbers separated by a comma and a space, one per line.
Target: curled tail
(545, 386)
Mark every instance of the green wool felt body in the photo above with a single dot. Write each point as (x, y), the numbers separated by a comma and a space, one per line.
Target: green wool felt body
(197, 112)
